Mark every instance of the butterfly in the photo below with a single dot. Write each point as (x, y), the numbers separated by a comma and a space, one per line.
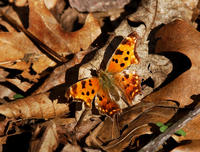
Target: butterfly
(113, 83)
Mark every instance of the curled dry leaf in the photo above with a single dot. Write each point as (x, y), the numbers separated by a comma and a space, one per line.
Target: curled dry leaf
(95, 5)
(20, 53)
(138, 119)
(179, 36)
(38, 106)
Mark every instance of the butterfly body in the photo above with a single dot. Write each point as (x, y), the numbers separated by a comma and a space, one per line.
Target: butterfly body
(112, 84)
(107, 83)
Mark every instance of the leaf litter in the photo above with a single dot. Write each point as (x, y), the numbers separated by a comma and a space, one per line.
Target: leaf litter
(52, 120)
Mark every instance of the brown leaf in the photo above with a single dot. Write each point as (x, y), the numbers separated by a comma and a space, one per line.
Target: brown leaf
(38, 106)
(71, 148)
(192, 146)
(48, 141)
(20, 53)
(137, 125)
(95, 5)
(156, 12)
(180, 36)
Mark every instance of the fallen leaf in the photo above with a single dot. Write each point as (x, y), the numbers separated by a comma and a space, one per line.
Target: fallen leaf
(134, 127)
(71, 148)
(179, 36)
(48, 141)
(27, 56)
(95, 5)
(156, 12)
(191, 146)
(38, 106)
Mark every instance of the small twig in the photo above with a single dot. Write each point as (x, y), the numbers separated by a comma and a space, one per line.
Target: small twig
(153, 145)
(35, 39)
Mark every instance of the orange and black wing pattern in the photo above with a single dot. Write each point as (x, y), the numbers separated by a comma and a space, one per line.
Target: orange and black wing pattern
(124, 55)
(84, 90)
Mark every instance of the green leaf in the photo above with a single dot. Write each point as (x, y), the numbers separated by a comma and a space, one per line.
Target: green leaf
(18, 96)
(163, 128)
(159, 124)
(180, 132)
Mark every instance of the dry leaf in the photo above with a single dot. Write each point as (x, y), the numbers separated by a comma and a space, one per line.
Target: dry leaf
(180, 36)
(48, 141)
(20, 53)
(38, 106)
(192, 146)
(156, 12)
(95, 5)
(71, 148)
(137, 125)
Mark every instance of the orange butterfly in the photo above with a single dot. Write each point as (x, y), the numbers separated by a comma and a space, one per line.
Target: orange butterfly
(112, 84)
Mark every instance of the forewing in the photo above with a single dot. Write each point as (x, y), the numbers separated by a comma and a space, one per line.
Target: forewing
(124, 55)
(104, 103)
(85, 90)
(129, 83)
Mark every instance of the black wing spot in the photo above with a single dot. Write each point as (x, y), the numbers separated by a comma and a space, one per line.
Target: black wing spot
(122, 65)
(128, 52)
(126, 58)
(83, 93)
(126, 76)
(92, 91)
(87, 93)
(100, 98)
(119, 52)
(122, 79)
(83, 84)
(116, 61)
(74, 88)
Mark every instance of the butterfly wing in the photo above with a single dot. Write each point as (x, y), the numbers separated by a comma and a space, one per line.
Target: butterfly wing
(85, 90)
(129, 83)
(124, 55)
(104, 103)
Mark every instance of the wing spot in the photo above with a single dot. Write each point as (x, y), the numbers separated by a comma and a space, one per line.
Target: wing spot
(126, 76)
(118, 52)
(126, 58)
(87, 93)
(83, 84)
(90, 84)
(127, 86)
(83, 93)
(115, 60)
(74, 88)
(128, 52)
(122, 79)
(122, 65)
(92, 91)
(100, 98)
